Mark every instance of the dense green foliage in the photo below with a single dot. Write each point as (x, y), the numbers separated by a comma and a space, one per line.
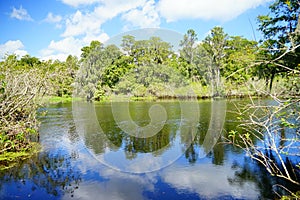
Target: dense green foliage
(227, 65)
(151, 80)
(280, 50)
(218, 59)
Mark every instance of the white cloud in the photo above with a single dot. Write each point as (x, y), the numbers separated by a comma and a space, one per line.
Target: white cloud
(117, 189)
(118, 185)
(61, 49)
(76, 3)
(69, 46)
(112, 8)
(51, 18)
(20, 52)
(82, 23)
(12, 47)
(142, 17)
(173, 10)
(84, 26)
(103, 37)
(58, 56)
(209, 181)
(20, 14)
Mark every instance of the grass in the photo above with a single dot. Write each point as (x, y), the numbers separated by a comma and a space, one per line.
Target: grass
(56, 99)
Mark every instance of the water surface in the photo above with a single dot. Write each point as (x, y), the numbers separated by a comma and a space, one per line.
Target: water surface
(71, 165)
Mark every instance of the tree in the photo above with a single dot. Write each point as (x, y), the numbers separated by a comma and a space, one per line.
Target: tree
(152, 51)
(10, 62)
(91, 74)
(202, 62)
(63, 76)
(114, 72)
(94, 45)
(90, 70)
(29, 61)
(215, 44)
(127, 44)
(71, 65)
(268, 123)
(188, 45)
(189, 54)
(240, 56)
(281, 31)
(159, 50)
(281, 24)
(140, 53)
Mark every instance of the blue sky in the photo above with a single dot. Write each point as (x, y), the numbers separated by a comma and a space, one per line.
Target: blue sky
(53, 29)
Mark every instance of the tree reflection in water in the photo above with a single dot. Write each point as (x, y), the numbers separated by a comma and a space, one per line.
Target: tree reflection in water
(268, 185)
(116, 139)
(52, 171)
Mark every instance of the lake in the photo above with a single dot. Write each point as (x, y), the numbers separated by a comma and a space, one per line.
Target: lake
(120, 151)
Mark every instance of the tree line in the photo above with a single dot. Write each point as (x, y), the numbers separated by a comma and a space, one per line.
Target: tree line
(219, 65)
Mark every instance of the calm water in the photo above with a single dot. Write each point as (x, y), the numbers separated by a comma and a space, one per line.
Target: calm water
(88, 155)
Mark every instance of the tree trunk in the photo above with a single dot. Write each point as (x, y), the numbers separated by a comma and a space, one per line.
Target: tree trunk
(271, 81)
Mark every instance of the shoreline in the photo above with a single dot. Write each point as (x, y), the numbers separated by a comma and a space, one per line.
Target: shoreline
(56, 99)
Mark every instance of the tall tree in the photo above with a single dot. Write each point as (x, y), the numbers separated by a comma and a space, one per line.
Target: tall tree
(202, 61)
(215, 44)
(188, 45)
(188, 54)
(90, 76)
(127, 44)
